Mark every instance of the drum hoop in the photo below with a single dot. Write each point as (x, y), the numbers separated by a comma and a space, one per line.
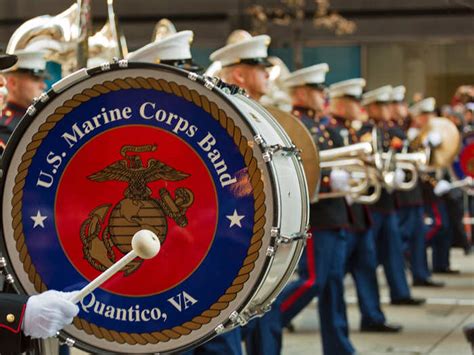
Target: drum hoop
(169, 87)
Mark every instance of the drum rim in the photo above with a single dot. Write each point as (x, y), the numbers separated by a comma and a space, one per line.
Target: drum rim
(39, 105)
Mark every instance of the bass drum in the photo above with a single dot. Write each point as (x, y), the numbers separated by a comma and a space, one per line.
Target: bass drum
(463, 165)
(301, 137)
(129, 146)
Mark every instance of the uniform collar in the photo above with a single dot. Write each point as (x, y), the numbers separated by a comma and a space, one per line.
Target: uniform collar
(15, 107)
(341, 121)
(300, 111)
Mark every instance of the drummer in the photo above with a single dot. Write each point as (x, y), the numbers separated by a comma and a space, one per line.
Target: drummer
(25, 81)
(321, 268)
(409, 204)
(439, 236)
(37, 317)
(385, 224)
(361, 258)
(23, 319)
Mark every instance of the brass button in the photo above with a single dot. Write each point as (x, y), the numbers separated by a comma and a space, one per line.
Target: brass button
(10, 318)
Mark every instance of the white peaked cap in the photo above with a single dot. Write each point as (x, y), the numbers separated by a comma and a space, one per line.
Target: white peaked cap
(255, 48)
(173, 47)
(351, 87)
(398, 93)
(423, 106)
(313, 75)
(382, 94)
(33, 61)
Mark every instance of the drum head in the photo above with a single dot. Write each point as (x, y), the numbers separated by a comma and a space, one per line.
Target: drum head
(303, 140)
(443, 155)
(124, 149)
(463, 165)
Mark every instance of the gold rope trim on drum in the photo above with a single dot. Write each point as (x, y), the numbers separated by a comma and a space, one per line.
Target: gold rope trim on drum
(255, 180)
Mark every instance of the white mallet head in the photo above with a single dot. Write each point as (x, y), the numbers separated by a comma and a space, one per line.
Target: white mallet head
(146, 244)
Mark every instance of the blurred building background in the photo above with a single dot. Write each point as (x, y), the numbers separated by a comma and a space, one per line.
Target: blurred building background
(428, 45)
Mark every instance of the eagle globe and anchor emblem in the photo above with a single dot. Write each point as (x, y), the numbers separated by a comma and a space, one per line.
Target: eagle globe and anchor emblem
(111, 227)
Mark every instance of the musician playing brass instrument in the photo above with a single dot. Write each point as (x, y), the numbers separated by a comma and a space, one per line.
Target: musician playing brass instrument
(385, 224)
(361, 259)
(439, 235)
(329, 219)
(409, 204)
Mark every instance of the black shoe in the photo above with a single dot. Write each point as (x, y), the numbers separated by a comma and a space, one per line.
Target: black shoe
(447, 271)
(381, 328)
(428, 283)
(290, 327)
(408, 302)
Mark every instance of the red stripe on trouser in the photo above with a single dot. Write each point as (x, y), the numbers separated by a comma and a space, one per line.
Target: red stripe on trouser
(437, 223)
(293, 297)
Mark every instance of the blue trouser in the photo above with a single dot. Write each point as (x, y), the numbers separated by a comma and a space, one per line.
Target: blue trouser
(224, 344)
(389, 248)
(321, 271)
(361, 262)
(412, 229)
(264, 335)
(439, 236)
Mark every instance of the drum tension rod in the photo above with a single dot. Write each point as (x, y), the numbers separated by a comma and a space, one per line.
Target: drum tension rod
(287, 239)
(270, 150)
(240, 319)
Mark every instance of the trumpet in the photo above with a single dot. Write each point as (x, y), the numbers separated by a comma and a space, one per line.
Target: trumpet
(353, 159)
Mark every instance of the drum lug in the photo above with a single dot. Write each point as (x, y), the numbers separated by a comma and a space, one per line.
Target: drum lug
(193, 76)
(9, 278)
(122, 63)
(44, 97)
(287, 239)
(238, 319)
(68, 341)
(270, 150)
(208, 84)
(3, 262)
(105, 66)
(219, 329)
(271, 251)
(31, 110)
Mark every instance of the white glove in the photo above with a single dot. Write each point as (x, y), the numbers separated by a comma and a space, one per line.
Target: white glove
(48, 313)
(399, 177)
(412, 133)
(442, 187)
(433, 139)
(339, 180)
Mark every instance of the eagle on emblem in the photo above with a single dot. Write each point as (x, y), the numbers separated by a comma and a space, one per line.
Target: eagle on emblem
(110, 227)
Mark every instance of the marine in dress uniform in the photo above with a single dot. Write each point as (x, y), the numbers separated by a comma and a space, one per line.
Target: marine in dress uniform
(439, 235)
(23, 319)
(385, 223)
(361, 257)
(321, 268)
(25, 81)
(410, 208)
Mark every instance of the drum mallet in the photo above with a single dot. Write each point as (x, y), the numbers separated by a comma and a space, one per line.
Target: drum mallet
(145, 244)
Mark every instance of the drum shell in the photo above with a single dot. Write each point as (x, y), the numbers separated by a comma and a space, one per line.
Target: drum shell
(254, 296)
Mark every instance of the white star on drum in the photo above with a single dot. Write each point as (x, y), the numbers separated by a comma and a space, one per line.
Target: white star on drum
(38, 219)
(235, 219)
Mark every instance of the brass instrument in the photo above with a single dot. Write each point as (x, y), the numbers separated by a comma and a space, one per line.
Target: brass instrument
(163, 29)
(67, 40)
(443, 155)
(354, 159)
